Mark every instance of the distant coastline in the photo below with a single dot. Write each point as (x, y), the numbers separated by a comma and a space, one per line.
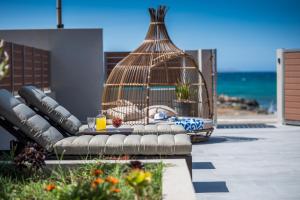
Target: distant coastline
(259, 86)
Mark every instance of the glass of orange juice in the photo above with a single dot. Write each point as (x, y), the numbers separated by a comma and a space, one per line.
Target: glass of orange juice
(100, 122)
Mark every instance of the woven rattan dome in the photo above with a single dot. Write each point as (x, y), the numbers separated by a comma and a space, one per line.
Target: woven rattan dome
(149, 74)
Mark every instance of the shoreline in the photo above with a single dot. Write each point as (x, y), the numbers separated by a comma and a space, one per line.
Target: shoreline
(235, 106)
(247, 119)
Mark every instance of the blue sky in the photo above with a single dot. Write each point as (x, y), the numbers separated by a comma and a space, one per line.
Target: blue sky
(246, 33)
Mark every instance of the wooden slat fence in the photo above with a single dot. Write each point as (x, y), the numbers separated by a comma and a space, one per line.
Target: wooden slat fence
(28, 66)
(292, 86)
(112, 58)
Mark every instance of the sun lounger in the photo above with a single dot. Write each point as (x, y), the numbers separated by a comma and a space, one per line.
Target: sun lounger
(31, 126)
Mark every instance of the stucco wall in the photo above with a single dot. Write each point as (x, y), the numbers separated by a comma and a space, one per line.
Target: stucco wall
(77, 69)
(206, 59)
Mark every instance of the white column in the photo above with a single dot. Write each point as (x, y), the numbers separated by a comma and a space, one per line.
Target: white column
(214, 85)
(207, 64)
(280, 85)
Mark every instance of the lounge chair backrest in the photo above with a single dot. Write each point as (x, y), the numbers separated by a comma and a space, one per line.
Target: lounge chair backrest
(48, 106)
(30, 123)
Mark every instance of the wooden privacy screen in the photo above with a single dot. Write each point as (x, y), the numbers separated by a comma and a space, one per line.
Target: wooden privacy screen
(28, 66)
(292, 86)
(112, 59)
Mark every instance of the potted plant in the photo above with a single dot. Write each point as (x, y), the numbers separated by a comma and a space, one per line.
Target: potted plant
(183, 104)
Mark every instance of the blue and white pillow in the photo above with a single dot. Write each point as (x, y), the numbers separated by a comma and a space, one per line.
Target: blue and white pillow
(160, 116)
(190, 124)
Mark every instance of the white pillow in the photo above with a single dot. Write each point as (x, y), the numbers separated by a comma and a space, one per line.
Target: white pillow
(126, 113)
(160, 108)
(124, 102)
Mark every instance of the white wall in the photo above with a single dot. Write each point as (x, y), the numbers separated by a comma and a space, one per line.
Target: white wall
(206, 60)
(280, 85)
(77, 70)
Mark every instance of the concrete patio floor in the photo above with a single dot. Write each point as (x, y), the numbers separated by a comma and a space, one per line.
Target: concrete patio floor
(248, 163)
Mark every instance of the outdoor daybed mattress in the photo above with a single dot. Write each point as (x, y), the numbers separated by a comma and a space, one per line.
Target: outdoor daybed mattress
(159, 126)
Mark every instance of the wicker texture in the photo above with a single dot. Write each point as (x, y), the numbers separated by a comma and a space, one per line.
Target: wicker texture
(149, 74)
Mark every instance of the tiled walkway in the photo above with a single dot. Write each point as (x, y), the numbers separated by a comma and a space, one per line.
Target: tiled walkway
(248, 163)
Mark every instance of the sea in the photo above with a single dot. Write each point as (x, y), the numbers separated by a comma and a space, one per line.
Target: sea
(260, 86)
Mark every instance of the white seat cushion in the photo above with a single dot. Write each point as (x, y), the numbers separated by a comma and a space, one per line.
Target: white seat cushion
(167, 144)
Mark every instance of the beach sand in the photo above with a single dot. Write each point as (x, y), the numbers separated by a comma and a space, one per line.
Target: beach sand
(230, 115)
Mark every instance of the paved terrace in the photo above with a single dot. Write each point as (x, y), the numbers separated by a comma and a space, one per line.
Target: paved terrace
(248, 163)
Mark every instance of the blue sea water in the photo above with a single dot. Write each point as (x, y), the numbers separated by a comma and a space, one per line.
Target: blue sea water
(253, 85)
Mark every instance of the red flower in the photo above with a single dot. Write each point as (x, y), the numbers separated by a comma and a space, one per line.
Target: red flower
(97, 172)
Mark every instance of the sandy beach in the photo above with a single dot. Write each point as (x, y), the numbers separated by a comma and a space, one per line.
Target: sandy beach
(231, 115)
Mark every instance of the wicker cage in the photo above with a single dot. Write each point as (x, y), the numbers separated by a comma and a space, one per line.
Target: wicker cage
(148, 76)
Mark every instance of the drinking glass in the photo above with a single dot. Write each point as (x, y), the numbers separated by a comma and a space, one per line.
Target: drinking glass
(91, 122)
(100, 122)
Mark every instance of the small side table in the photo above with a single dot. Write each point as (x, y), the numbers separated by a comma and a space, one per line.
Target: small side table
(108, 131)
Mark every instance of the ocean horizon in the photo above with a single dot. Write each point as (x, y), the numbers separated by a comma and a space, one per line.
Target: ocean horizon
(260, 86)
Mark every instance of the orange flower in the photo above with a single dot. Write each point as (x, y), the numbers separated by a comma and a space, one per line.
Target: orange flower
(112, 180)
(50, 187)
(93, 185)
(97, 172)
(96, 182)
(116, 190)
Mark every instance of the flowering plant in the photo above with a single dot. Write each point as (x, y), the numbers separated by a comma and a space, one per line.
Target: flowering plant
(138, 179)
(96, 186)
(96, 181)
